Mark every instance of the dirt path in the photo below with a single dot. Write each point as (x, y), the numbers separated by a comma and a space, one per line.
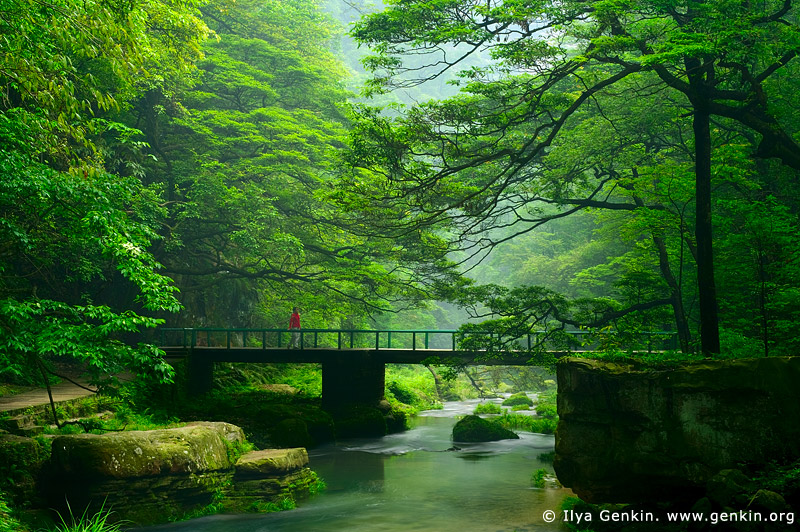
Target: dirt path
(63, 391)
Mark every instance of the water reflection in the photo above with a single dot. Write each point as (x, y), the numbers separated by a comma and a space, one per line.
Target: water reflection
(412, 482)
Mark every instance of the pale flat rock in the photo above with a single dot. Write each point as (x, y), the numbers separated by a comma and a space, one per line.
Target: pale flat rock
(272, 462)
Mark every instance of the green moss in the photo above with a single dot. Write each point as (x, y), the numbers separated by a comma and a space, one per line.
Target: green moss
(476, 429)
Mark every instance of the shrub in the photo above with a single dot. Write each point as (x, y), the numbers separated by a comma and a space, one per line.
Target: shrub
(488, 408)
(518, 399)
(546, 410)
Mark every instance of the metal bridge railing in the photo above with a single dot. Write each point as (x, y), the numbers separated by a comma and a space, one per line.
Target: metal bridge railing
(446, 339)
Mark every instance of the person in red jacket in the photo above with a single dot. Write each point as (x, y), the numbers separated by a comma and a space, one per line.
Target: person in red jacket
(294, 326)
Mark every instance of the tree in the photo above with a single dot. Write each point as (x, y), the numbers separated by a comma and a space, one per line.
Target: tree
(244, 159)
(75, 271)
(474, 161)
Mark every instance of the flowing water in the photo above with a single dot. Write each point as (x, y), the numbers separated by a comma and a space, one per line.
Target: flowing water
(414, 482)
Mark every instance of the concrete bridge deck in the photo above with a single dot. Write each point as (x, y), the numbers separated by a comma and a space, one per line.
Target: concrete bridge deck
(354, 370)
(322, 354)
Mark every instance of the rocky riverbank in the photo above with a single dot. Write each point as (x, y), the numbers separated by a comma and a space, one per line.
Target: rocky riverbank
(147, 477)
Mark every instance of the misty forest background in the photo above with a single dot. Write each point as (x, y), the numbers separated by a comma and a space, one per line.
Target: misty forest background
(613, 166)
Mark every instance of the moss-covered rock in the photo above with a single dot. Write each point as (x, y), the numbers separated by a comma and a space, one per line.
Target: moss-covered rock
(476, 429)
(195, 448)
(145, 476)
(635, 434)
(271, 462)
(270, 479)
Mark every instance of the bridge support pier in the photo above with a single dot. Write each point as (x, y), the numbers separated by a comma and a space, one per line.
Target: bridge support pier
(201, 372)
(353, 377)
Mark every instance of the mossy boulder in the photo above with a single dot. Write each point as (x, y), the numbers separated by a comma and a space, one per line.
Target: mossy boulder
(145, 476)
(476, 429)
(194, 448)
(271, 462)
(267, 480)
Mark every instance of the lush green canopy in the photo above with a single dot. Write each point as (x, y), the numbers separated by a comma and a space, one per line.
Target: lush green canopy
(634, 107)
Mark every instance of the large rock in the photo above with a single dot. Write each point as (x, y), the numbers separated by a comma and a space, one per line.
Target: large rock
(144, 476)
(271, 462)
(194, 448)
(632, 435)
(476, 429)
(271, 476)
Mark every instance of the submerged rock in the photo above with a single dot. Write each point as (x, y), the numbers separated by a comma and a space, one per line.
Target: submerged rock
(476, 429)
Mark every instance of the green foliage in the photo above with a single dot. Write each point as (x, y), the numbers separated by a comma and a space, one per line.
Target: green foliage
(411, 385)
(98, 522)
(546, 410)
(72, 224)
(244, 159)
(655, 360)
(520, 398)
(538, 478)
(527, 423)
(8, 523)
(306, 378)
(591, 107)
(780, 478)
(488, 408)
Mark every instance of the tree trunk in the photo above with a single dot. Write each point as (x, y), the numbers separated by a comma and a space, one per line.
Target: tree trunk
(437, 381)
(709, 317)
(675, 291)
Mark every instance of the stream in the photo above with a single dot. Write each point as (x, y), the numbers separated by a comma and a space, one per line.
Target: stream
(412, 482)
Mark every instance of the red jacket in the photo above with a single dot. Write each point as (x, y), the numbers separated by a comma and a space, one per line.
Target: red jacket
(294, 321)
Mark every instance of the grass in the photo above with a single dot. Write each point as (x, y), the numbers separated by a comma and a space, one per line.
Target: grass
(539, 478)
(488, 408)
(8, 523)
(527, 423)
(98, 522)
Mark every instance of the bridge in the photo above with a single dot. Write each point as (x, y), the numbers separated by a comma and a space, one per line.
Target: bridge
(353, 360)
